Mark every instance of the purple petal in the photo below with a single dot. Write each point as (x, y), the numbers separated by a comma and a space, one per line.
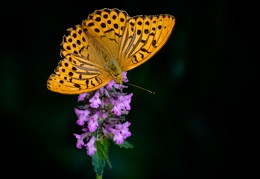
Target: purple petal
(90, 146)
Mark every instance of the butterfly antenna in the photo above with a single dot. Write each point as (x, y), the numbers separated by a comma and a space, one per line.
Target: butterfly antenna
(141, 88)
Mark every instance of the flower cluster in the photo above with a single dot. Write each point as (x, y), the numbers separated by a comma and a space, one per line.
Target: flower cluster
(103, 113)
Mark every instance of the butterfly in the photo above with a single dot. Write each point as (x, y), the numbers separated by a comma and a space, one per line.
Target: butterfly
(106, 44)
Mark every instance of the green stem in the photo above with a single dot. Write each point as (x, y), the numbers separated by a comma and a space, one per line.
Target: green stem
(98, 176)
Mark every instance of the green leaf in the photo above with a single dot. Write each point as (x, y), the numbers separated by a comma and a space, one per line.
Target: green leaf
(98, 159)
(105, 143)
(125, 144)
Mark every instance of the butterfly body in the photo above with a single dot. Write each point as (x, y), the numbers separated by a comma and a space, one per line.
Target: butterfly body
(107, 43)
(115, 71)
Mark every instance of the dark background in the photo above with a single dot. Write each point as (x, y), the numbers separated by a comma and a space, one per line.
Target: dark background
(199, 124)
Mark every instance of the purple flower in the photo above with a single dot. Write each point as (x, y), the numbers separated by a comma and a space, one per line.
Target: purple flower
(124, 129)
(103, 113)
(110, 85)
(82, 96)
(83, 116)
(90, 146)
(121, 132)
(125, 100)
(125, 77)
(81, 138)
(95, 100)
(80, 142)
(121, 104)
(93, 122)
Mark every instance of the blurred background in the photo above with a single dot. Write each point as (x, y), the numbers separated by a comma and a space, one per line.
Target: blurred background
(195, 126)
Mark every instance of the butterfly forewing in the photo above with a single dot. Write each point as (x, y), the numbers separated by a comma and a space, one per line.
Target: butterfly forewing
(74, 42)
(156, 36)
(81, 69)
(106, 27)
(150, 34)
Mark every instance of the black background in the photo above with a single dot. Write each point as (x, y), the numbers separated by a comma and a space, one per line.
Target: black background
(199, 124)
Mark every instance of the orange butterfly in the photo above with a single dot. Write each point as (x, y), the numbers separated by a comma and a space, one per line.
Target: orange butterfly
(107, 43)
